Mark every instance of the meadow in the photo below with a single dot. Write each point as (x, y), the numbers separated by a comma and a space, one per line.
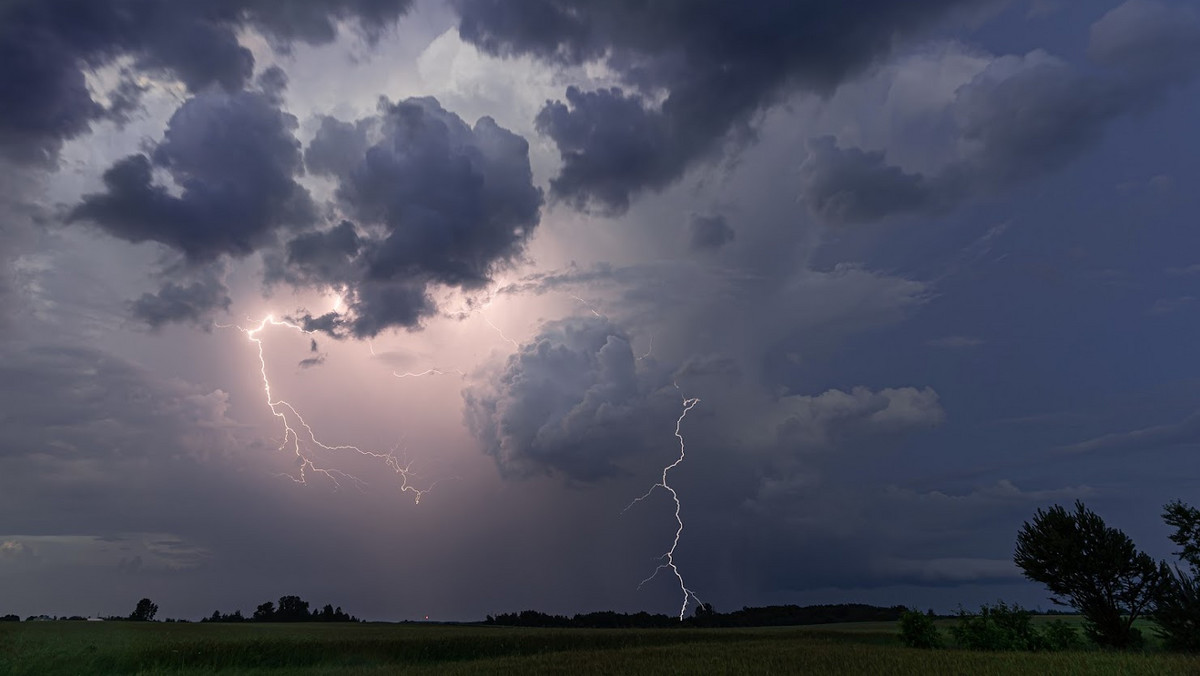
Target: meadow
(46, 648)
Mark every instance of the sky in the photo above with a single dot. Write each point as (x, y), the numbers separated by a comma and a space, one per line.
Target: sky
(401, 305)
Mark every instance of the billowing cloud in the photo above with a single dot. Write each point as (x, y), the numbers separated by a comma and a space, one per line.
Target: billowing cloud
(571, 402)
(835, 417)
(713, 65)
(192, 301)
(434, 202)
(48, 46)
(848, 185)
(234, 159)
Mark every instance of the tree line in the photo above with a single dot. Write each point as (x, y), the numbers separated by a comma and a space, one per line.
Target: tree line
(290, 609)
(705, 616)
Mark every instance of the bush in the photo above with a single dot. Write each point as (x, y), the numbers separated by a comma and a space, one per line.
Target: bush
(918, 631)
(1061, 635)
(998, 627)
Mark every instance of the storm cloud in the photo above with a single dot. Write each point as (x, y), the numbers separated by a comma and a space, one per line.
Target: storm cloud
(235, 161)
(714, 65)
(192, 301)
(571, 402)
(48, 46)
(431, 201)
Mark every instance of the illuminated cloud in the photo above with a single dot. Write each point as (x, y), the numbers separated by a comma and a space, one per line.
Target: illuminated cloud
(571, 402)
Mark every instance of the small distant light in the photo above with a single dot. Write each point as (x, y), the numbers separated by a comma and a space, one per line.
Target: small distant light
(427, 617)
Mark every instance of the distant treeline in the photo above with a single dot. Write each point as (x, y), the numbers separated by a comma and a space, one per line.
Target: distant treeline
(705, 616)
(290, 609)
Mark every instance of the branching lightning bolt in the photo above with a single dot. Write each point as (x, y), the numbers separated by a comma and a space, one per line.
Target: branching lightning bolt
(669, 556)
(299, 435)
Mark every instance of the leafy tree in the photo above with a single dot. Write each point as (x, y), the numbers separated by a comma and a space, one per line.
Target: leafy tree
(1093, 568)
(292, 609)
(1186, 522)
(1178, 611)
(264, 612)
(917, 630)
(144, 611)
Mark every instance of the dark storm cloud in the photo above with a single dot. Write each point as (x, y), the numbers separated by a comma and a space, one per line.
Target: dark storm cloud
(1022, 116)
(338, 146)
(443, 203)
(570, 403)
(236, 160)
(194, 302)
(272, 82)
(709, 231)
(851, 186)
(47, 45)
(611, 146)
(718, 63)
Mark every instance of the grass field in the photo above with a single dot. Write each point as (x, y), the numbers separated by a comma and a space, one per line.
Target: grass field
(867, 648)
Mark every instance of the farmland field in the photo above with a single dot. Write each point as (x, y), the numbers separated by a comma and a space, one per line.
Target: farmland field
(177, 648)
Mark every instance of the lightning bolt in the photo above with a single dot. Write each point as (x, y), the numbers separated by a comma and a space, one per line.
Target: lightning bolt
(590, 307)
(497, 330)
(299, 436)
(648, 349)
(430, 372)
(669, 556)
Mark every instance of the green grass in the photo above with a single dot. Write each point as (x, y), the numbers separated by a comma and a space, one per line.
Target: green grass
(176, 649)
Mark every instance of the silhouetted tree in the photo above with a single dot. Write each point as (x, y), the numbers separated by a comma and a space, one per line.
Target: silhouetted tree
(1178, 611)
(144, 611)
(1186, 522)
(10, 618)
(1091, 567)
(292, 609)
(265, 612)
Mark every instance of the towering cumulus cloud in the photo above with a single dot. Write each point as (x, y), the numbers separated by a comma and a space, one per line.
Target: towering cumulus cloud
(714, 65)
(46, 46)
(569, 403)
(433, 202)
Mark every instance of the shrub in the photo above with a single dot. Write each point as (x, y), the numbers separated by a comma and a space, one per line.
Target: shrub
(1061, 635)
(998, 627)
(918, 631)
